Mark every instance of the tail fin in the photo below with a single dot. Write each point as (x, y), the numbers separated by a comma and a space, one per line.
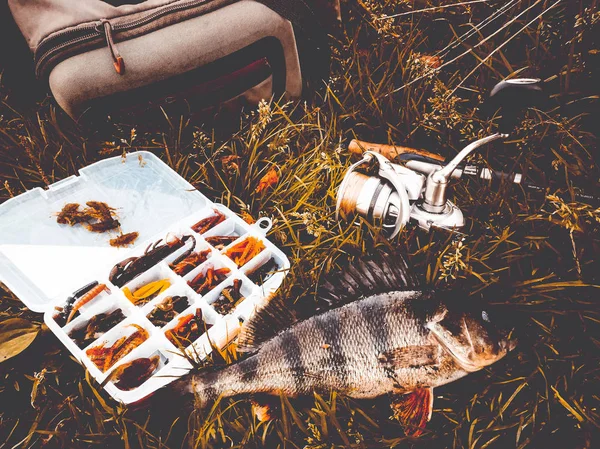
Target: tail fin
(182, 386)
(203, 386)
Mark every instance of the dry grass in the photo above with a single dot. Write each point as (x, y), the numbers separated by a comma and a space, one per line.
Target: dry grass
(535, 260)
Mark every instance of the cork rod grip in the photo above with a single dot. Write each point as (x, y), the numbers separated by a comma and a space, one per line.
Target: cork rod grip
(358, 147)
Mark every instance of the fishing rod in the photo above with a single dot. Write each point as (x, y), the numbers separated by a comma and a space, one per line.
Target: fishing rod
(426, 163)
(413, 188)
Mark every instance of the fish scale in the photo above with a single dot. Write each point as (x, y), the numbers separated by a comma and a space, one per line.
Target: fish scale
(337, 350)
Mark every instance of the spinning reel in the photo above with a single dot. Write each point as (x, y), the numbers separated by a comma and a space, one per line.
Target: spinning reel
(390, 195)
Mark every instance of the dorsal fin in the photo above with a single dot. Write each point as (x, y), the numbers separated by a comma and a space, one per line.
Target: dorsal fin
(366, 275)
(265, 323)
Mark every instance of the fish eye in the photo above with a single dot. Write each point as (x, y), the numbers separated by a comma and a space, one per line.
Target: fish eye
(485, 316)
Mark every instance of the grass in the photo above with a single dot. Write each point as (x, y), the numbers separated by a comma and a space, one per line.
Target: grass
(534, 259)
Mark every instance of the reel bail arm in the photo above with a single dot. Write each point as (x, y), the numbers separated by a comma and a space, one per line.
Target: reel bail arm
(434, 197)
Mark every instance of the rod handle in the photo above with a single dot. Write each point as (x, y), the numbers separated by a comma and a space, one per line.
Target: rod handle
(391, 152)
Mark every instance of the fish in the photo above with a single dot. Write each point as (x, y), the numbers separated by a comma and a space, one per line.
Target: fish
(382, 334)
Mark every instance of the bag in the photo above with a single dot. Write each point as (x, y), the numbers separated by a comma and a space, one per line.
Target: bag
(99, 58)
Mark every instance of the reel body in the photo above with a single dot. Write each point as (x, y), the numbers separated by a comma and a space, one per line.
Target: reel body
(389, 195)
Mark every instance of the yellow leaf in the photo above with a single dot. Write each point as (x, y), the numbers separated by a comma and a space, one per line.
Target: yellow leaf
(568, 406)
(16, 334)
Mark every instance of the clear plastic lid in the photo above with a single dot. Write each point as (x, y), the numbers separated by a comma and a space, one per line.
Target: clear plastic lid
(41, 259)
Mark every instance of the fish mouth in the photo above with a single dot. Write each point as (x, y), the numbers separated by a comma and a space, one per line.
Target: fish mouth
(505, 346)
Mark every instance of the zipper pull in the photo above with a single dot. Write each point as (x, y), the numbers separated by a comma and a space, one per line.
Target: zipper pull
(118, 61)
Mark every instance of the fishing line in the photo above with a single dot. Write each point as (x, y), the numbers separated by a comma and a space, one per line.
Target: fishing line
(470, 50)
(460, 39)
(497, 49)
(431, 9)
(489, 19)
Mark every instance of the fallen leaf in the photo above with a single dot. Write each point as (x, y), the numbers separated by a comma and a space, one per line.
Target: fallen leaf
(230, 164)
(16, 334)
(269, 180)
(433, 62)
(247, 217)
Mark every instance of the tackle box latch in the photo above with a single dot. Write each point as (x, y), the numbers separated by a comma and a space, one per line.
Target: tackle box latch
(263, 225)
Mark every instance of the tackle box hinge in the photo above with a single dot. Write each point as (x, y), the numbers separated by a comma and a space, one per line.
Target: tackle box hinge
(58, 185)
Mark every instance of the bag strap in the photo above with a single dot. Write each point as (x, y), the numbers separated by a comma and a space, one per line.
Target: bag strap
(299, 12)
(312, 29)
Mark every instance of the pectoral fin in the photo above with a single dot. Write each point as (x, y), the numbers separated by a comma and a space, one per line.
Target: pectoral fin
(413, 410)
(264, 407)
(410, 357)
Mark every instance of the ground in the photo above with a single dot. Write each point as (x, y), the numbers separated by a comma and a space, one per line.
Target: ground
(419, 79)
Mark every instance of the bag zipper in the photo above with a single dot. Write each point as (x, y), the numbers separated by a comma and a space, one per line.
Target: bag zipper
(118, 61)
(53, 45)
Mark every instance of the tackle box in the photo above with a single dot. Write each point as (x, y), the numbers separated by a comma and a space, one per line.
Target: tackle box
(43, 263)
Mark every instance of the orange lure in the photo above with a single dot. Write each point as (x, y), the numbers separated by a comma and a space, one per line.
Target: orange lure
(87, 298)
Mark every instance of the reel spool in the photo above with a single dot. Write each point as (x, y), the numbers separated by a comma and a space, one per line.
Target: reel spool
(382, 200)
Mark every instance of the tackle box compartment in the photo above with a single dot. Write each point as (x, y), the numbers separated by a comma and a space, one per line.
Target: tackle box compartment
(43, 263)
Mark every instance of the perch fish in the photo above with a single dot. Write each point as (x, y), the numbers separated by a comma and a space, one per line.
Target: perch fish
(382, 335)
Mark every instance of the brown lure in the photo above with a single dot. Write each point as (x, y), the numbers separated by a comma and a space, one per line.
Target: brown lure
(229, 298)
(87, 298)
(71, 215)
(105, 357)
(190, 262)
(168, 309)
(205, 282)
(209, 222)
(188, 329)
(68, 214)
(128, 269)
(133, 374)
(96, 327)
(100, 210)
(101, 214)
(124, 240)
(221, 241)
(103, 226)
(264, 272)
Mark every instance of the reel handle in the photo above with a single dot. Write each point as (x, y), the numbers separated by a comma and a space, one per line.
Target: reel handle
(434, 196)
(391, 152)
(513, 97)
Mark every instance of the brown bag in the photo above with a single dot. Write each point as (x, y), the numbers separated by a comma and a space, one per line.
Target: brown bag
(98, 57)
